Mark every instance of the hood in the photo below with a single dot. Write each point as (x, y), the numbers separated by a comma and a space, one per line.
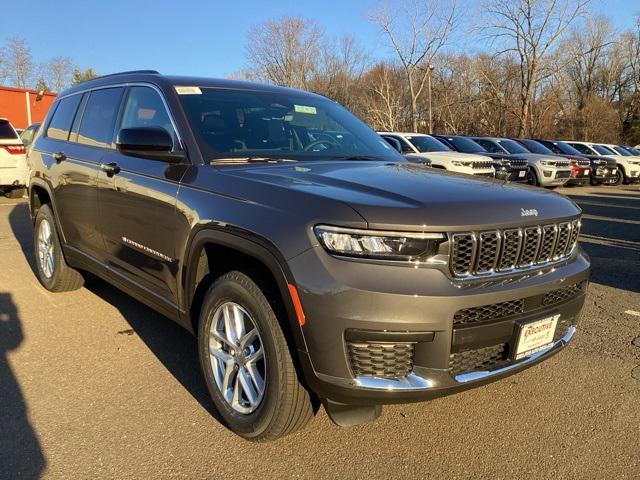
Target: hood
(411, 196)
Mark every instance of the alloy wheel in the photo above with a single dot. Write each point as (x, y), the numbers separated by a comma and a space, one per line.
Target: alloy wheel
(45, 249)
(237, 357)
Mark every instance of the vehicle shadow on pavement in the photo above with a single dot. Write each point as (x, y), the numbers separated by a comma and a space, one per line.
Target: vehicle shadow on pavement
(171, 344)
(23, 231)
(21, 455)
(612, 242)
(174, 346)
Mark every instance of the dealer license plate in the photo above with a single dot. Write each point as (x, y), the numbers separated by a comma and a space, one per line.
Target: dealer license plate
(614, 171)
(536, 336)
(522, 173)
(586, 172)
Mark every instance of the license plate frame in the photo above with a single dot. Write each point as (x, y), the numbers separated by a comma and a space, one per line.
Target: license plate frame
(522, 173)
(534, 336)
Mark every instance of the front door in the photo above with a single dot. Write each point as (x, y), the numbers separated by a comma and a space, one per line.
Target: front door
(137, 203)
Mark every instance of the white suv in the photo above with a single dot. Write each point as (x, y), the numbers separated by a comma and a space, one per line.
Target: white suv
(13, 163)
(628, 166)
(442, 156)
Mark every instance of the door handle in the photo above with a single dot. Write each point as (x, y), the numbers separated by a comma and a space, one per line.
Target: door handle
(110, 169)
(59, 156)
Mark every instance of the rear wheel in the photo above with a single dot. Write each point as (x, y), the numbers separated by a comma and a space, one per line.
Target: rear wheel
(247, 364)
(51, 267)
(14, 193)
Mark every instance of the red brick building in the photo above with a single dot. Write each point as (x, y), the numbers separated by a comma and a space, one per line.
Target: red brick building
(23, 107)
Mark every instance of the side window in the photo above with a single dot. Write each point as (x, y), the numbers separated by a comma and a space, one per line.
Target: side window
(144, 108)
(99, 118)
(60, 123)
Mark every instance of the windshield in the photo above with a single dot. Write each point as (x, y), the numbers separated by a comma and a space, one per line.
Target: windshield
(566, 148)
(512, 147)
(280, 125)
(424, 144)
(466, 145)
(602, 150)
(536, 147)
(621, 151)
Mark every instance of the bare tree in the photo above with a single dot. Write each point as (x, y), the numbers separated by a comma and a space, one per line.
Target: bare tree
(284, 51)
(384, 98)
(530, 30)
(18, 62)
(59, 73)
(417, 32)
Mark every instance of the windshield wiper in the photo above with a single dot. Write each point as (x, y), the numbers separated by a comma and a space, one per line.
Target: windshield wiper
(240, 160)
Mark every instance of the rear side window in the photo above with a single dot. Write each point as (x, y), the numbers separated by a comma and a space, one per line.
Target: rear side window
(60, 123)
(144, 108)
(7, 131)
(99, 117)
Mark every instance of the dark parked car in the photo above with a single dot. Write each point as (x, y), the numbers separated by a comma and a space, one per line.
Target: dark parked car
(603, 169)
(508, 167)
(309, 266)
(580, 166)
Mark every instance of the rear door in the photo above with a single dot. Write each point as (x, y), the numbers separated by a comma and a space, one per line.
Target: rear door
(138, 202)
(72, 171)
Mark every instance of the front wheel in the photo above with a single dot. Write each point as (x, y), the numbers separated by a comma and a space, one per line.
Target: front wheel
(619, 178)
(532, 179)
(247, 364)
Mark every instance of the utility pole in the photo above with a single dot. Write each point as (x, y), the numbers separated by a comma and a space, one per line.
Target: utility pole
(429, 88)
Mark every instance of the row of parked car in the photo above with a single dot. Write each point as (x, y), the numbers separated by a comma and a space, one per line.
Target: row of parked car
(546, 163)
(538, 162)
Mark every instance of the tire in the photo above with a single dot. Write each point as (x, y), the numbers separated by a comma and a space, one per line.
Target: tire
(532, 178)
(51, 267)
(284, 405)
(14, 193)
(619, 177)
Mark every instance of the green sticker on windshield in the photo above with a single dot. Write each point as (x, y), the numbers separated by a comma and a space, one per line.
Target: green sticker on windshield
(305, 109)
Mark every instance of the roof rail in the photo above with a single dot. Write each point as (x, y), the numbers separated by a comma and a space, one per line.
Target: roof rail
(125, 73)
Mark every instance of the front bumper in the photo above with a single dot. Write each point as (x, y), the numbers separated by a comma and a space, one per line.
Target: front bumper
(511, 174)
(340, 297)
(580, 176)
(553, 177)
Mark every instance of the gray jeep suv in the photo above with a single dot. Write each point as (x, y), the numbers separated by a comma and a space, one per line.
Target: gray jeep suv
(312, 261)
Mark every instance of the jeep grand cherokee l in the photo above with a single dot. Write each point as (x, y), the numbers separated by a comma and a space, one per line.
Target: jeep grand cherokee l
(440, 155)
(544, 170)
(507, 166)
(603, 169)
(580, 166)
(310, 266)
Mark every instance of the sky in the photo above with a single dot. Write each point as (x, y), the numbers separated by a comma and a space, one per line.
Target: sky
(202, 38)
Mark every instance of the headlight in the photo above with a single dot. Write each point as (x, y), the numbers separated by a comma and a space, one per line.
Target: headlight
(548, 163)
(462, 163)
(379, 245)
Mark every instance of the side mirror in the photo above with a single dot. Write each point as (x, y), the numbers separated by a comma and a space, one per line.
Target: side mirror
(394, 142)
(154, 143)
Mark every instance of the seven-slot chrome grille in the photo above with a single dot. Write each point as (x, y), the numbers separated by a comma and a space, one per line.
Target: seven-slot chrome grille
(490, 251)
(482, 164)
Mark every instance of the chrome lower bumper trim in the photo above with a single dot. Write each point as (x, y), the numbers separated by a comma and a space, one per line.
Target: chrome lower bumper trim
(473, 376)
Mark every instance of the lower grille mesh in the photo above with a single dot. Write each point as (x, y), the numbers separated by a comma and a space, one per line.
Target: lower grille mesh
(384, 360)
(488, 358)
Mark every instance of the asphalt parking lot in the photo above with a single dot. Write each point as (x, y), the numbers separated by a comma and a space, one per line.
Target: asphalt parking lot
(95, 385)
